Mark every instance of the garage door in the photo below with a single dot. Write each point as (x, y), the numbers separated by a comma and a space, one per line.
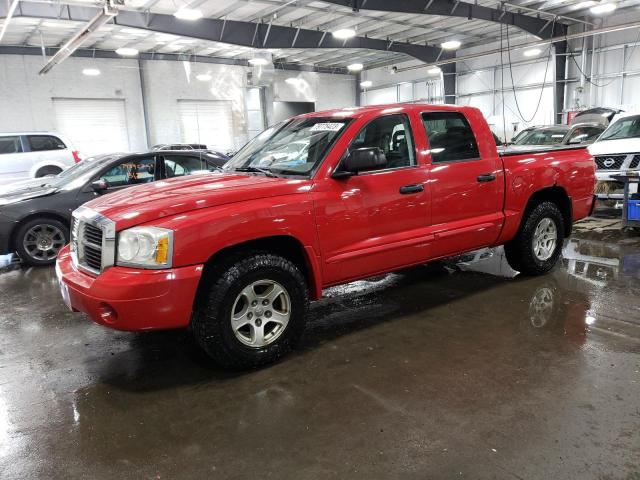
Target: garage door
(207, 121)
(93, 125)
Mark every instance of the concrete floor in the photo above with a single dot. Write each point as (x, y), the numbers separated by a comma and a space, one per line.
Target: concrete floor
(456, 370)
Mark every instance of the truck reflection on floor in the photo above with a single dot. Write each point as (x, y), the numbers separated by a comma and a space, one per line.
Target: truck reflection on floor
(579, 295)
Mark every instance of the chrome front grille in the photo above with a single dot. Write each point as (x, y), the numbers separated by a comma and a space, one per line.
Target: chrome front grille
(92, 241)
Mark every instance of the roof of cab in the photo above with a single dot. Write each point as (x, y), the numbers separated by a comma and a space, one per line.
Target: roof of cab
(372, 110)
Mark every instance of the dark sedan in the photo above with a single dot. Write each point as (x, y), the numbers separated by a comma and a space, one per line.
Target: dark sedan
(35, 216)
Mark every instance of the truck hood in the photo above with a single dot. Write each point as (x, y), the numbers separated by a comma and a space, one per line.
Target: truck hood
(612, 147)
(146, 203)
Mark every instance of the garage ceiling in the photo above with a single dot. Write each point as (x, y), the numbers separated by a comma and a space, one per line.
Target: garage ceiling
(306, 14)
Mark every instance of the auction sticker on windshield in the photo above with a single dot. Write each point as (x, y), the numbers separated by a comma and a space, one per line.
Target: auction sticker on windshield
(327, 127)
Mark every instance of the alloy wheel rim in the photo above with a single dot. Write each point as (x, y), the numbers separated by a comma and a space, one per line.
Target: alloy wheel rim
(260, 313)
(545, 238)
(43, 242)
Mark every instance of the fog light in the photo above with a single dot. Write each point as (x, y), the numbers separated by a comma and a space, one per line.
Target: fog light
(107, 314)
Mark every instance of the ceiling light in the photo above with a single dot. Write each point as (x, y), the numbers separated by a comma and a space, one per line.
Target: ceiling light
(258, 61)
(532, 52)
(127, 51)
(451, 45)
(344, 33)
(204, 77)
(581, 5)
(355, 67)
(603, 8)
(91, 72)
(434, 71)
(366, 84)
(292, 80)
(190, 14)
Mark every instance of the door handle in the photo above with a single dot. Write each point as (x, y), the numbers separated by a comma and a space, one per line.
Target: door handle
(418, 187)
(486, 177)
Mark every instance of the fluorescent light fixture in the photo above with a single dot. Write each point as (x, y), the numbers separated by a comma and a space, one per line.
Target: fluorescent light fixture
(190, 14)
(355, 67)
(603, 8)
(292, 80)
(434, 71)
(344, 33)
(532, 52)
(366, 84)
(87, 31)
(91, 72)
(127, 52)
(451, 45)
(258, 61)
(204, 77)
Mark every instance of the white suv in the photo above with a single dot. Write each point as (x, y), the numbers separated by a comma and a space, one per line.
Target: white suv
(617, 151)
(34, 155)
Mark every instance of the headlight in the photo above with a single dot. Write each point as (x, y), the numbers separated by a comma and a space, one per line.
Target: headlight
(146, 247)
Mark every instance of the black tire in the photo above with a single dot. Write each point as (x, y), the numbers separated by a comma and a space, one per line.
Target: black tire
(211, 322)
(55, 229)
(520, 252)
(50, 170)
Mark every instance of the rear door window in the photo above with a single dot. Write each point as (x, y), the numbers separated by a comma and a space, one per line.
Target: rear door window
(42, 143)
(450, 137)
(10, 145)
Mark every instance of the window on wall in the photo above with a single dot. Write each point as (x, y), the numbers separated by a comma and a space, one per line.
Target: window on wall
(94, 126)
(207, 121)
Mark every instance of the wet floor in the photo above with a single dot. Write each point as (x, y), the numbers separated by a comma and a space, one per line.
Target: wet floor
(456, 370)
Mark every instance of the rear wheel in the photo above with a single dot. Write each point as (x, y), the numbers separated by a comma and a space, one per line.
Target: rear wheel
(39, 241)
(538, 244)
(47, 171)
(252, 312)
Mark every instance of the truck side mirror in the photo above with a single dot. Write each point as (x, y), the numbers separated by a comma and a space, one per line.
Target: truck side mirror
(99, 186)
(362, 159)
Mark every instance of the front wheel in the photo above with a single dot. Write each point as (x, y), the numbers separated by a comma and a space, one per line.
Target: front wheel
(251, 313)
(39, 241)
(538, 244)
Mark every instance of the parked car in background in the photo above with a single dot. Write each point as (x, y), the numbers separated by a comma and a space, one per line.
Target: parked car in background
(583, 133)
(541, 136)
(26, 155)
(179, 146)
(236, 255)
(189, 146)
(616, 152)
(35, 218)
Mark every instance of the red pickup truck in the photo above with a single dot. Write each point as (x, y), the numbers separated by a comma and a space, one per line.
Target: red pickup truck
(321, 199)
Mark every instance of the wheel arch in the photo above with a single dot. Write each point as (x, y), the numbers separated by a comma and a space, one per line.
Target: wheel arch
(286, 246)
(560, 197)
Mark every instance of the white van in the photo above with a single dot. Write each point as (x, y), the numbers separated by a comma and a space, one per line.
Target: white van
(27, 155)
(617, 151)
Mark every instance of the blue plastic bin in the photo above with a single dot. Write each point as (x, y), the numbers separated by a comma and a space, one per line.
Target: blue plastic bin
(633, 209)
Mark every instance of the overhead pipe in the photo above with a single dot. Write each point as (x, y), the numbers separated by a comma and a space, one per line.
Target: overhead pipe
(108, 12)
(12, 9)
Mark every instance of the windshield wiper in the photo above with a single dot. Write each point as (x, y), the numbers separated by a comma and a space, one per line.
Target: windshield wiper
(264, 171)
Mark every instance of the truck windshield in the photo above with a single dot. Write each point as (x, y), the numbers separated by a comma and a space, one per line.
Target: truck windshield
(293, 148)
(624, 128)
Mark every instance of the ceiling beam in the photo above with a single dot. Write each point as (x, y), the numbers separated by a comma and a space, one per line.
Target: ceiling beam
(253, 35)
(455, 8)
